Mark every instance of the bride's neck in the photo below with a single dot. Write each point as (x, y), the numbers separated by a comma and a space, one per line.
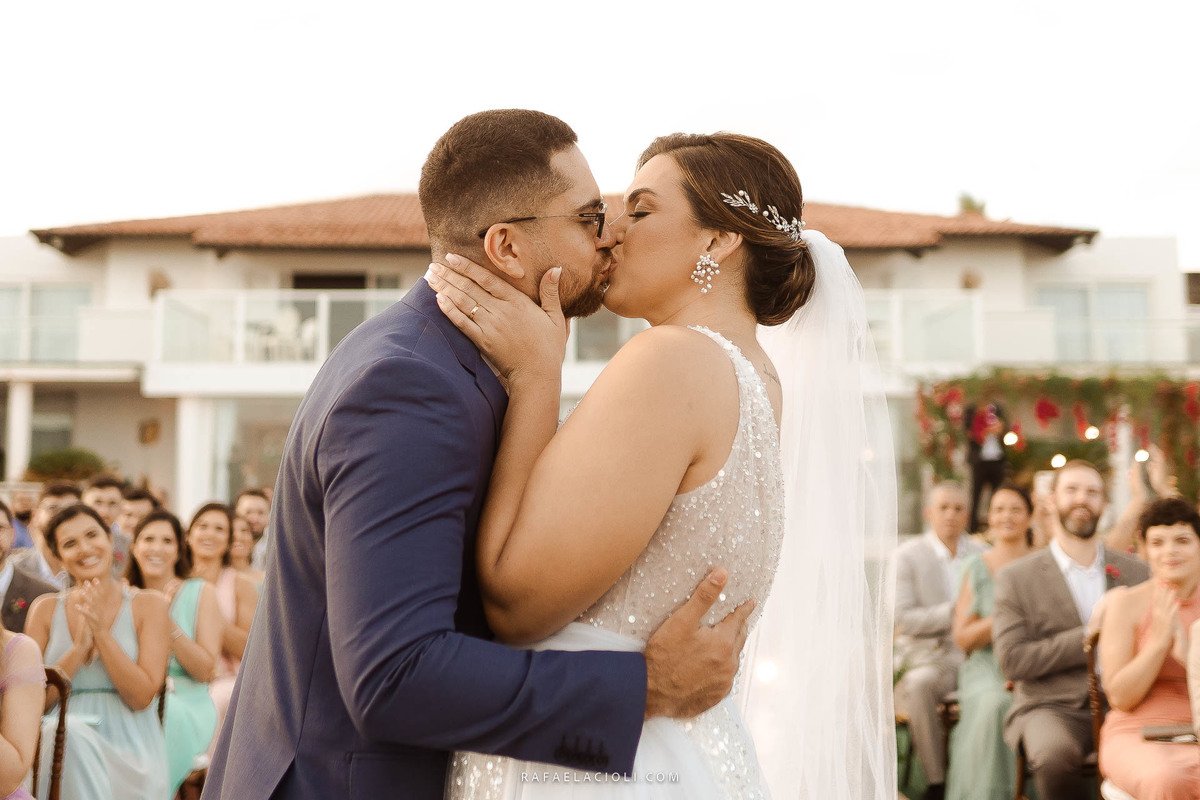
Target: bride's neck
(719, 311)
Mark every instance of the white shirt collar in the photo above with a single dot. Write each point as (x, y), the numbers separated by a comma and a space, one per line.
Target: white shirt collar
(1066, 563)
(6, 576)
(939, 547)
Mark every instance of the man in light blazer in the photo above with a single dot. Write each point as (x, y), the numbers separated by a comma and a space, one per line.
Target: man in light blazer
(927, 580)
(1045, 604)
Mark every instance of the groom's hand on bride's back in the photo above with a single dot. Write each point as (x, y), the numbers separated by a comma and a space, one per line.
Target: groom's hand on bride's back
(690, 666)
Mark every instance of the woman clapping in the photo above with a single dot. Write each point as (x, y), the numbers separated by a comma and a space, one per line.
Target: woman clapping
(159, 562)
(1142, 649)
(112, 641)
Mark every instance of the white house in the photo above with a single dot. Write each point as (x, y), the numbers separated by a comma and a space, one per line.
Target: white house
(179, 348)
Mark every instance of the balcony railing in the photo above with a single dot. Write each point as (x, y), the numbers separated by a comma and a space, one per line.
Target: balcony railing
(916, 331)
(42, 340)
(259, 326)
(302, 326)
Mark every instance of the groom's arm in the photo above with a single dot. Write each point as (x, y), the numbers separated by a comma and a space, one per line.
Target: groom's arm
(399, 463)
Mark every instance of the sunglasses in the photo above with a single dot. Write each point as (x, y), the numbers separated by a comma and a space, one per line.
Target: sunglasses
(594, 217)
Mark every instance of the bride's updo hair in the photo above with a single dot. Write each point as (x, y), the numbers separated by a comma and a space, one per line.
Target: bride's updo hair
(779, 271)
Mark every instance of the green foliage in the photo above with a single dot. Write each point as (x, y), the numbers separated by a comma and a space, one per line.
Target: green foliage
(1161, 409)
(69, 464)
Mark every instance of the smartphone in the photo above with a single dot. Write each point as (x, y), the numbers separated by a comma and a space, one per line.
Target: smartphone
(1144, 472)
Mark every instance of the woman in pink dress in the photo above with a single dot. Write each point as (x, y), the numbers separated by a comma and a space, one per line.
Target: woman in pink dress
(209, 542)
(22, 694)
(1143, 646)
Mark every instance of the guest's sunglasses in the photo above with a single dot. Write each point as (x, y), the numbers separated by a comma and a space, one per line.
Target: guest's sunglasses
(594, 217)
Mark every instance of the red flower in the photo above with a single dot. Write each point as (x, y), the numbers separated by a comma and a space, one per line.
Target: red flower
(1191, 407)
(1112, 571)
(1045, 410)
(19, 604)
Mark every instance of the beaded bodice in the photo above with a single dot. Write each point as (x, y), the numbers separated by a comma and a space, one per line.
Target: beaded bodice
(735, 521)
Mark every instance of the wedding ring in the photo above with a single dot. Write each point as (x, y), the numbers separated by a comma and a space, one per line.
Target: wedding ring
(471, 313)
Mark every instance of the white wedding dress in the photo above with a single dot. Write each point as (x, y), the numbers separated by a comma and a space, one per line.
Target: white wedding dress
(735, 521)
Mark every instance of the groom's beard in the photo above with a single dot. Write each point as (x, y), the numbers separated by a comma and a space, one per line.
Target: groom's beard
(583, 301)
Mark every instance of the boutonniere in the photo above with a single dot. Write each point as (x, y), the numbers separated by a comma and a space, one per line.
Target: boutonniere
(1113, 573)
(18, 605)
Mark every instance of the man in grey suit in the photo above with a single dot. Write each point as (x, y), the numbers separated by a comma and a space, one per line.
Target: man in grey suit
(1045, 605)
(927, 569)
(17, 587)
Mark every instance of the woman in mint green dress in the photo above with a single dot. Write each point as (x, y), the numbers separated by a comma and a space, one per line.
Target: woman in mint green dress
(112, 641)
(982, 767)
(159, 562)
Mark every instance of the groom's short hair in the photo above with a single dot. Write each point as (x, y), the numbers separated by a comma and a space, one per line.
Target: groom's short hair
(488, 167)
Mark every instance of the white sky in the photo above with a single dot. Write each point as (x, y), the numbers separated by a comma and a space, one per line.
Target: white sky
(1063, 112)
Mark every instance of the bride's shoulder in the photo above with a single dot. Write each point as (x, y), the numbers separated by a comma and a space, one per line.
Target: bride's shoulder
(671, 358)
(671, 344)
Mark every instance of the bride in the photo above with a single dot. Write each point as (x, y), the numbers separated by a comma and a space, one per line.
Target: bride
(746, 428)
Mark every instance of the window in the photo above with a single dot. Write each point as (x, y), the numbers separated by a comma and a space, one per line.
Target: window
(1122, 307)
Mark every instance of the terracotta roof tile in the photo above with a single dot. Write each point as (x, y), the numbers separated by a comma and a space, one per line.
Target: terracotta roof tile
(394, 222)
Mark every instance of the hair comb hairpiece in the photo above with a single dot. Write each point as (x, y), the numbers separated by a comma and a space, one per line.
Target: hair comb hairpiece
(742, 200)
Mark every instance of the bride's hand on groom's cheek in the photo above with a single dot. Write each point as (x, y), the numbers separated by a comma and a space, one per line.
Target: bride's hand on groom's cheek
(690, 666)
(522, 340)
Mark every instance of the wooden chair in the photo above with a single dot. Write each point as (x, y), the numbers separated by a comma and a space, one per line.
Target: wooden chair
(55, 678)
(948, 712)
(193, 784)
(1091, 762)
(162, 703)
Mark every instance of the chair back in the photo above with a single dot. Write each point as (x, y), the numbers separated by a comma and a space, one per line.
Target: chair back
(1095, 695)
(162, 702)
(55, 678)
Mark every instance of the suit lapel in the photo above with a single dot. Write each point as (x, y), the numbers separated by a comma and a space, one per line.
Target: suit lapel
(1057, 593)
(422, 299)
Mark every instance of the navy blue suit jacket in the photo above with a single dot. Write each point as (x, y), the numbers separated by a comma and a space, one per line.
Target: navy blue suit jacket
(369, 660)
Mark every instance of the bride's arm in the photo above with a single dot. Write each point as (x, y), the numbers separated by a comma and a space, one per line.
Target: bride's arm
(567, 514)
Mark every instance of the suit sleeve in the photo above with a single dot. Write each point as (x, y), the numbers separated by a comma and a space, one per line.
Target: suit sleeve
(399, 464)
(1022, 657)
(913, 619)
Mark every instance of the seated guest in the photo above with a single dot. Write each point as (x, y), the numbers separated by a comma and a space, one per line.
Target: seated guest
(982, 766)
(40, 560)
(1193, 674)
(209, 540)
(111, 641)
(136, 505)
(104, 494)
(1141, 658)
(927, 570)
(1044, 604)
(22, 693)
(254, 505)
(22, 509)
(17, 587)
(158, 561)
(241, 554)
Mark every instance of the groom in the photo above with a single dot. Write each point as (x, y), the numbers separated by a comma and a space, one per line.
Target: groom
(369, 659)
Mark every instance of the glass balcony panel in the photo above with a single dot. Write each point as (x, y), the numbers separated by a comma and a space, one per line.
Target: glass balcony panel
(54, 323)
(10, 323)
(938, 327)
